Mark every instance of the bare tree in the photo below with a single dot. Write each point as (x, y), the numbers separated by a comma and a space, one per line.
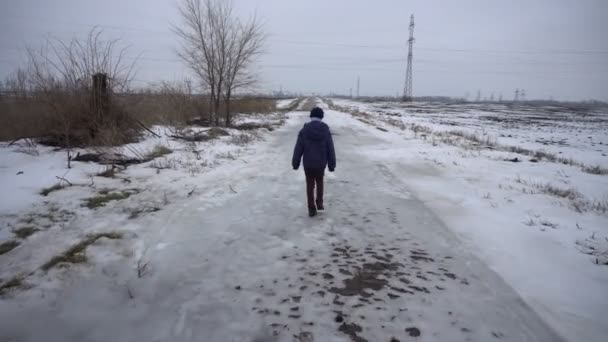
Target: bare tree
(219, 48)
(61, 75)
(245, 46)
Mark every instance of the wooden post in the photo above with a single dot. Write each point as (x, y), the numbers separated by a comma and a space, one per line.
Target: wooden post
(99, 101)
(100, 94)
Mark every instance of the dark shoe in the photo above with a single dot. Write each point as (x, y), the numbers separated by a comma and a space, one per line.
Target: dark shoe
(312, 212)
(320, 206)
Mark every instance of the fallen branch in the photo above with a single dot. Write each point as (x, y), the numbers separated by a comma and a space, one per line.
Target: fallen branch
(230, 186)
(191, 192)
(14, 141)
(146, 128)
(192, 138)
(65, 180)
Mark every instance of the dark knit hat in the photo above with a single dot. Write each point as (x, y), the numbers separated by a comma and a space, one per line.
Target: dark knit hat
(316, 113)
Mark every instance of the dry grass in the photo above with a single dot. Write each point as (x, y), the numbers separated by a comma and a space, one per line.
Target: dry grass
(462, 139)
(577, 201)
(46, 191)
(11, 284)
(8, 246)
(30, 117)
(104, 197)
(175, 109)
(552, 190)
(22, 118)
(24, 232)
(251, 105)
(595, 170)
(76, 254)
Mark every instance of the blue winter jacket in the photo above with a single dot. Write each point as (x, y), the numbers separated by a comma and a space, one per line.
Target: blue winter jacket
(317, 147)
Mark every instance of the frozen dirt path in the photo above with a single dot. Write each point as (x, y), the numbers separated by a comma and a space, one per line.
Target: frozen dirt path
(376, 265)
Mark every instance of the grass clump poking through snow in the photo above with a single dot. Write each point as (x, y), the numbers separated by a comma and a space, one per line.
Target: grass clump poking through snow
(595, 170)
(577, 201)
(105, 197)
(550, 189)
(76, 254)
(10, 284)
(24, 232)
(158, 151)
(47, 191)
(8, 246)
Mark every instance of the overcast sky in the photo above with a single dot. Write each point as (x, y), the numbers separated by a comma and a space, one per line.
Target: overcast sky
(551, 48)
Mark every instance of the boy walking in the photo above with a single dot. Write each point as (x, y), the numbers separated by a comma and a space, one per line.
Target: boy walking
(316, 146)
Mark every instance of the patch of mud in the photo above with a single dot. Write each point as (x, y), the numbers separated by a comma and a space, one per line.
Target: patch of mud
(380, 277)
(352, 330)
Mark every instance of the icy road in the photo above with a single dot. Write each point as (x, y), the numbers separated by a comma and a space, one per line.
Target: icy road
(377, 265)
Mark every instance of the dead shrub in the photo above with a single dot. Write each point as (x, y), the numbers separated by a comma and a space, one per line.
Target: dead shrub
(70, 90)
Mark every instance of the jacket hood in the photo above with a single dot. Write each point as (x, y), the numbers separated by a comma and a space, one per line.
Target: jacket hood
(315, 131)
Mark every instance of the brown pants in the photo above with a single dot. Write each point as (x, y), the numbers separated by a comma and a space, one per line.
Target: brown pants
(314, 177)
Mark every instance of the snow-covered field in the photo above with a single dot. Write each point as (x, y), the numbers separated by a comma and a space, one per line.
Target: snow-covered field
(568, 133)
(90, 198)
(541, 223)
(430, 227)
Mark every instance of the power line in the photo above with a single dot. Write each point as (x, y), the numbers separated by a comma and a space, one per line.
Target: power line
(340, 44)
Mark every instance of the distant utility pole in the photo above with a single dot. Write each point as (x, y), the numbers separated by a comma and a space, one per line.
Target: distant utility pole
(407, 90)
(516, 95)
(478, 96)
(492, 97)
(358, 84)
(522, 95)
(351, 92)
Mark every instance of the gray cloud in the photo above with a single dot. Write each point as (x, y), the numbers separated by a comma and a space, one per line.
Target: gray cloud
(550, 48)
